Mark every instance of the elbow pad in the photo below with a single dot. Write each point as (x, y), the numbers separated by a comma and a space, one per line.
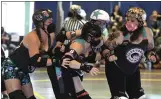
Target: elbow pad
(44, 57)
(108, 52)
(72, 55)
(34, 60)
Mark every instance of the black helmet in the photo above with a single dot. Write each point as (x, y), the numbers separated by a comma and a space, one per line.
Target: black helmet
(90, 32)
(41, 15)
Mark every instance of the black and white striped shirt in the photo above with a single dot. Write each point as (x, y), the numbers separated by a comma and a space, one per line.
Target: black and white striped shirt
(72, 24)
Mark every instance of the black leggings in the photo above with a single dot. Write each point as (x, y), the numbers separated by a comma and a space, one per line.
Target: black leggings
(54, 82)
(119, 82)
(57, 85)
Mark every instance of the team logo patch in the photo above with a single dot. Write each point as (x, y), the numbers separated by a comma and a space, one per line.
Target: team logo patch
(134, 55)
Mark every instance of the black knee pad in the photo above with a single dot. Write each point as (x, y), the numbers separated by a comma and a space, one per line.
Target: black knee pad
(32, 97)
(17, 94)
(3, 87)
(83, 95)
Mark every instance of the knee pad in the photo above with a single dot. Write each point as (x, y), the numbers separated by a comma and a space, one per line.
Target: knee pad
(83, 95)
(17, 94)
(32, 97)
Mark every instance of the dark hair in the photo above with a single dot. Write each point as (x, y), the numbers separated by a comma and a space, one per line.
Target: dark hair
(135, 34)
(119, 11)
(39, 36)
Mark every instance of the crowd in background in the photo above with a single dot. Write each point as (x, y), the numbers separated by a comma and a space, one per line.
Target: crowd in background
(117, 18)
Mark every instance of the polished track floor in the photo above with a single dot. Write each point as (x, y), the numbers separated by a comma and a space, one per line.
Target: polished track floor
(97, 85)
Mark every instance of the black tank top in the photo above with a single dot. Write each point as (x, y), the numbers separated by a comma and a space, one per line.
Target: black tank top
(129, 55)
(20, 57)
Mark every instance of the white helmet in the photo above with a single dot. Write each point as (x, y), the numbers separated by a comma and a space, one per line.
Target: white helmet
(144, 16)
(83, 13)
(77, 9)
(100, 15)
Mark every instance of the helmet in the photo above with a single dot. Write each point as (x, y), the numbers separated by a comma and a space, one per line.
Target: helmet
(90, 32)
(138, 13)
(77, 10)
(41, 15)
(83, 13)
(74, 7)
(100, 15)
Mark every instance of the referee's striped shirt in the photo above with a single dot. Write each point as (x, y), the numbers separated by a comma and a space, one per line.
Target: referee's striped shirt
(72, 24)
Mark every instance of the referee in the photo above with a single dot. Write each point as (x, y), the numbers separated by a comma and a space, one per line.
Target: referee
(74, 22)
(72, 25)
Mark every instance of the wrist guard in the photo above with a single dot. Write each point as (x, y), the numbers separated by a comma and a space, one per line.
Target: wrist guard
(86, 67)
(73, 34)
(72, 55)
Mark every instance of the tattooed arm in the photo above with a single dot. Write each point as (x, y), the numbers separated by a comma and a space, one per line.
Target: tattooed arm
(151, 55)
(116, 38)
(112, 42)
(150, 38)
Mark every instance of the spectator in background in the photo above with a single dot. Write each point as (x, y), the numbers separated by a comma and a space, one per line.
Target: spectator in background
(158, 42)
(116, 17)
(155, 23)
(5, 38)
(157, 64)
(74, 22)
